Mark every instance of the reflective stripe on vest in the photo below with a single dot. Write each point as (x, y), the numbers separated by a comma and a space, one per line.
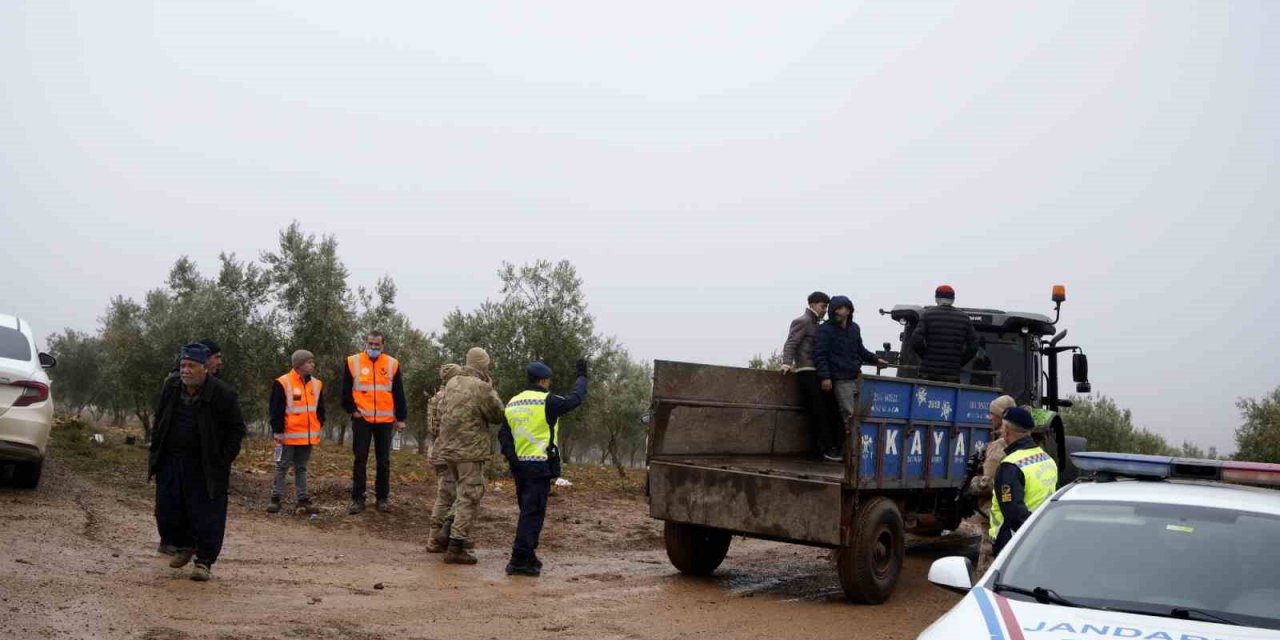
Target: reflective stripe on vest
(371, 382)
(527, 415)
(1039, 480)
(301, 422)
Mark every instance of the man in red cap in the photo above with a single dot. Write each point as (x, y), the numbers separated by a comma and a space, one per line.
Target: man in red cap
(944, 339)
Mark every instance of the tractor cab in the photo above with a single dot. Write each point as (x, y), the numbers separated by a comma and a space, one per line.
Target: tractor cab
(1015, 355)
(1008, 349)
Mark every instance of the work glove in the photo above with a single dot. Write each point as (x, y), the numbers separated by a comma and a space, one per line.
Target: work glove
(581, 368)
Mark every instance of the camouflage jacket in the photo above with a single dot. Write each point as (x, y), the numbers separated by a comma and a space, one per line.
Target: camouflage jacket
(447, 373)
(467, 409)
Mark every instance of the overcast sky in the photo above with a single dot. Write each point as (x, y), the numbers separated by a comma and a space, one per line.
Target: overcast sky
(705, 165)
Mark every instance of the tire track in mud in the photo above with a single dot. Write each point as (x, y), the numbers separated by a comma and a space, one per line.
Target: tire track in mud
(92, 528)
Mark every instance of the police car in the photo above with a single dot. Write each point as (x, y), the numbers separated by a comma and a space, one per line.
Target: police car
(1151, 548)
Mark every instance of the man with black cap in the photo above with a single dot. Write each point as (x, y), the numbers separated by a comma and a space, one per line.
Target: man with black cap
(197, 436)
(1026, 478)
(797, 358)
(944, 338)
(529, 440)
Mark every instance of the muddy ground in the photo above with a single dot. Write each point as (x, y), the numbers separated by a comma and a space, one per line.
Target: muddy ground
(78, 560)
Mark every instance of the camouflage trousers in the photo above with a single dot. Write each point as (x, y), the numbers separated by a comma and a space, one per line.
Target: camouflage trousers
(985, 555)
(469, 489)
(446, 494)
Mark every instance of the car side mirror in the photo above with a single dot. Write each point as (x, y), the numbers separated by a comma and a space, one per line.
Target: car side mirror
(1083, 387)
(1079, 367)
(952, 573)
(47, 361)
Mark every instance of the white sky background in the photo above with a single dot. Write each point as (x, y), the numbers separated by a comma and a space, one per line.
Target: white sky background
(705, 165)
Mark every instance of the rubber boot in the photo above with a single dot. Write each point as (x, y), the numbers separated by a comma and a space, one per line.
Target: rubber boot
(457, 553)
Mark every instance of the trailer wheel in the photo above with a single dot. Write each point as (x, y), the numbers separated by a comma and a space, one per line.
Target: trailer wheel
(693, 549)
(870, 564)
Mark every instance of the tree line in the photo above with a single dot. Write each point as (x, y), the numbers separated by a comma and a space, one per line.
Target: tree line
(297, 296)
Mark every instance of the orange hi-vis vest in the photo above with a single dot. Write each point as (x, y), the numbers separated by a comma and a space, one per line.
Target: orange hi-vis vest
(371, 386)
(301, 400)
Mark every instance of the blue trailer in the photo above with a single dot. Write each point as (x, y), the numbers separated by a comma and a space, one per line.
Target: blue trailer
(729, 454)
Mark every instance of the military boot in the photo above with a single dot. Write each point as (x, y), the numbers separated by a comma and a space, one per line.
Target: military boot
(448, 528)
(457, 553)
(437, 540)
(522, 565)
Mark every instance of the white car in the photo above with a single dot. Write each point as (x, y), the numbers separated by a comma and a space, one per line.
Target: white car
(26, 408)
(1152, 548)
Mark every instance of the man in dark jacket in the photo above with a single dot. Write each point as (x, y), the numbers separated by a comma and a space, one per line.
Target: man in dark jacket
(297, 419)
(797, 358)
(838, 355)
(944, 338)
(197, 436)
(528, 438)
(213, 366)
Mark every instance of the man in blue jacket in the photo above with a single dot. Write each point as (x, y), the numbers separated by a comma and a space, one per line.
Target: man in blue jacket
(839, 355)
(529, 438)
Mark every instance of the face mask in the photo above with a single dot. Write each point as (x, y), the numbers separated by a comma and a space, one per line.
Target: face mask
(373, 353)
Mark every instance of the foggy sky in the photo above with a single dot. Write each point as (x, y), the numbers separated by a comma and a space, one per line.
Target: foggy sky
(704, 165)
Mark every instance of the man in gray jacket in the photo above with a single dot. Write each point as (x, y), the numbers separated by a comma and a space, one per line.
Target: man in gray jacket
(797, 358)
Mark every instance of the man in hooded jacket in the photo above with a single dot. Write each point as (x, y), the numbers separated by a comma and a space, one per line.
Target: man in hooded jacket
(467, 409)
(446, 483)
(839, 355)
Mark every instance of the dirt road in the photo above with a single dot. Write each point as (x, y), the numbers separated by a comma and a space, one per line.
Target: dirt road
(77, 560)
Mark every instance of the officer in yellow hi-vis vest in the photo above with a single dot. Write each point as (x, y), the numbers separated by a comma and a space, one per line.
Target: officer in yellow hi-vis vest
(1026, 478)
(529, 438)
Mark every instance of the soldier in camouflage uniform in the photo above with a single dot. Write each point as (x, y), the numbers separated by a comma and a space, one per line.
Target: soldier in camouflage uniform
(467, 409)
(980, 486)
(446, 484)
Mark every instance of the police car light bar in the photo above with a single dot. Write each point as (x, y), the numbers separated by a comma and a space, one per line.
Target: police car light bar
(1135, 465)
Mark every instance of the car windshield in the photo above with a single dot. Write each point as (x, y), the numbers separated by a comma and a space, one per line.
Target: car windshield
(1153, 558)
(14, 345)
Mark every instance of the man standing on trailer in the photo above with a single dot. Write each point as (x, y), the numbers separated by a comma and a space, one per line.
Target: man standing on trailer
(797, 358)
(839, 356)
(944, 338)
